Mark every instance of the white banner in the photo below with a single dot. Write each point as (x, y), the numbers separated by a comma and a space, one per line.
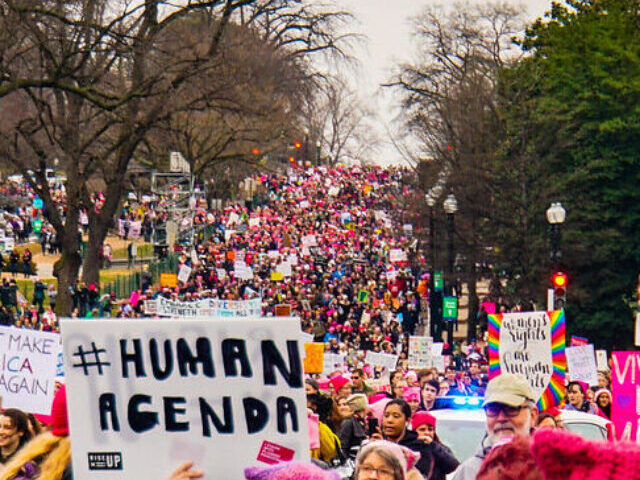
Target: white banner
(581, 364)
(28, 368)
(146, 395)
(420, 352)
(206, 307)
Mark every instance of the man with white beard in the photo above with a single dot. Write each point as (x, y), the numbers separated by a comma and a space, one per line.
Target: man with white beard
(511, 410)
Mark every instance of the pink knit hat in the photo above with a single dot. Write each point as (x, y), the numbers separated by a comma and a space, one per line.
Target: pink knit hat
(565, 456)
(338, 382)
(411, 393)
(288, 471)
(554, 454)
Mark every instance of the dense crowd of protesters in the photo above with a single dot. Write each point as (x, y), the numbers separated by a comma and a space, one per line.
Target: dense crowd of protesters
(326, 243)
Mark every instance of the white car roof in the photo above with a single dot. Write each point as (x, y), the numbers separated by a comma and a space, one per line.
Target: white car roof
(478, 414)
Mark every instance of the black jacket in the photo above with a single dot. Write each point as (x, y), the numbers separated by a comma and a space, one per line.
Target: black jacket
(351, 436)
(436, 460)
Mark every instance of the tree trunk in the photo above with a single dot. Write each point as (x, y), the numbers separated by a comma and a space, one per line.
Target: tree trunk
(91, 263)
(66, 271)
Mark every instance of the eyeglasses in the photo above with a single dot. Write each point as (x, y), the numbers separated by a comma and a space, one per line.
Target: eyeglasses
(381, 473)
(494, 409)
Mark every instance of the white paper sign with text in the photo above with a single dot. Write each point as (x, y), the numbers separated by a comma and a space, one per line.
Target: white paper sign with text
(28, 368)
(581, 363)
(146, 395)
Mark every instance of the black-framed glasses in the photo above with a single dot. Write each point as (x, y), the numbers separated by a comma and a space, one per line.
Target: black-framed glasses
(494, 409)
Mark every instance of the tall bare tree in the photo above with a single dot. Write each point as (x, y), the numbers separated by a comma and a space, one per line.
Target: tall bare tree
(450, 100)
(96, 78)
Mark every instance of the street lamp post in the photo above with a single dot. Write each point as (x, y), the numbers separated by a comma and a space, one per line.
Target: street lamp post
(556, 215)
(318, 145)
(433, 311)
(450, 208)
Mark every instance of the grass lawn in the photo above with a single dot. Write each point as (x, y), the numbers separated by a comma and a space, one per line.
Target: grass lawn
(144, 250)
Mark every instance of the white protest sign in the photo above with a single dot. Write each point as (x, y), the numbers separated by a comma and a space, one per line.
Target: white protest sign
(438, 363)
(144, 395)
(304, 204)
(333, 191)
(221, 273)
(581, 363)
(184, 273)
(420, 352)
(309, 241)
(292, 259)
(254, 222)
(284, 268)
(28, 368)
(386, 360)
(332, 362)
(525, 348)
(397, 255)
(233, 218)
(601, 360)
(436, 348)
(243, 272)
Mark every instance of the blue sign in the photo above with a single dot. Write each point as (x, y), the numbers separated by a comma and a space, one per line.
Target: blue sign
(38, 203)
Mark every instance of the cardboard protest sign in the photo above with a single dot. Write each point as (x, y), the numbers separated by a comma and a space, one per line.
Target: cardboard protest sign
(134, 228)
(143, 395)
(438, 363)
(625, 384)
(169, 280)
(581, 364)
(277, 276)
(283, 310)
(530, 344)
(420, 352)
(28, 368)
(314, 357)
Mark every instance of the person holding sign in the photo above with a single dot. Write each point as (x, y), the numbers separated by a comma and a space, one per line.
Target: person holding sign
(511, 410)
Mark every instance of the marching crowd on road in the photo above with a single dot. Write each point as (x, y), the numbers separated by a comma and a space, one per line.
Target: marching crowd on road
(328, 246)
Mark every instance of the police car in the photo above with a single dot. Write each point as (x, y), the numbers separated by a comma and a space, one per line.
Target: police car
(461, 424)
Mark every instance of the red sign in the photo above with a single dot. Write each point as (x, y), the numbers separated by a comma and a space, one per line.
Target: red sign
(272, 453)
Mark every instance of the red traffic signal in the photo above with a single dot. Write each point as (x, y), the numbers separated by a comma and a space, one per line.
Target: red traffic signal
(297, 145)
(255, 151)
(559, 280)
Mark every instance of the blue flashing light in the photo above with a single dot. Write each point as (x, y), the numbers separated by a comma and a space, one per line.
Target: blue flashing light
(459, 402)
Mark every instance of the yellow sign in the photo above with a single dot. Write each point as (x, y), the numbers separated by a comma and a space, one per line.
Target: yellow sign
(168, 280)
(277, 276)
(367, 189)
(314, 357)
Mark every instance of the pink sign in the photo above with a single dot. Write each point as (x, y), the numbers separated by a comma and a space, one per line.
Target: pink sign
(272, 453)
(489, 307)
(625, 383)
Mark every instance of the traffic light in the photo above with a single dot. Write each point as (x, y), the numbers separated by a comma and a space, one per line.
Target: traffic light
(297, 145)
(559, 284)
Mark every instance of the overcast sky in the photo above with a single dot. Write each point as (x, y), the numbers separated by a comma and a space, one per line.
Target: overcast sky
(387, 26)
